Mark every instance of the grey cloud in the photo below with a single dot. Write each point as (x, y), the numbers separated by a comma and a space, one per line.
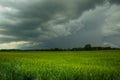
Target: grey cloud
(53, 22)
(114, 1)
(93, 22)
(90, 31)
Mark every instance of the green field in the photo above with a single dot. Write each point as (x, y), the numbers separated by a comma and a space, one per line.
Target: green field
(74, 65)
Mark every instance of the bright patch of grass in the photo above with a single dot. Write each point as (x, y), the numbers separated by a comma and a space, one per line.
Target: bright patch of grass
(84, 65)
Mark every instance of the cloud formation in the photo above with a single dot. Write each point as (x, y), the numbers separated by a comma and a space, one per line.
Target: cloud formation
(63, 24)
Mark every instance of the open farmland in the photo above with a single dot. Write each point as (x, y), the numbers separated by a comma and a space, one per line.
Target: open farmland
(67, 65)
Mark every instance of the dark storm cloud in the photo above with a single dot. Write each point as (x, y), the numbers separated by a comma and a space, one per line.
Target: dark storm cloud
(115, 1)
(50, 23)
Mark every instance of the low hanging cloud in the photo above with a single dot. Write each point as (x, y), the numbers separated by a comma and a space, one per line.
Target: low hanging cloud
(63, 24)
(13, 45)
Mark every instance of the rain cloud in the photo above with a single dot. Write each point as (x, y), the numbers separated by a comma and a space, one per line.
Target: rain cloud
(63, 24)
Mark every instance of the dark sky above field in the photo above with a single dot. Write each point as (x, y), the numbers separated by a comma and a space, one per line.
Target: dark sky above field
(33, 24)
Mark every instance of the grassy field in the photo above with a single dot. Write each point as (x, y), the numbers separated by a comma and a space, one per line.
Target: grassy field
(84, 65)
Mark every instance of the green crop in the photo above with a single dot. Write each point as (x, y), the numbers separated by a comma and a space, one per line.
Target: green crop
(66, 65)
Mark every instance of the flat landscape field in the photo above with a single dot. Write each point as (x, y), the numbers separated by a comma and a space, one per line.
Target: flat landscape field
(60, 65)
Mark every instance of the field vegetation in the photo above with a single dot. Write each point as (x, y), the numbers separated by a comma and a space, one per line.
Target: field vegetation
(60, 65)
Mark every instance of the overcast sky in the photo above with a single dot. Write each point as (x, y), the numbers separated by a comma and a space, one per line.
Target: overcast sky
(34, 24)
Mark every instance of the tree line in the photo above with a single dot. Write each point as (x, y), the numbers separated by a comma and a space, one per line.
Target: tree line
(87, 47)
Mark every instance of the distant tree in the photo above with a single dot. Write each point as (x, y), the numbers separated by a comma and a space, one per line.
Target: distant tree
(87, 47)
